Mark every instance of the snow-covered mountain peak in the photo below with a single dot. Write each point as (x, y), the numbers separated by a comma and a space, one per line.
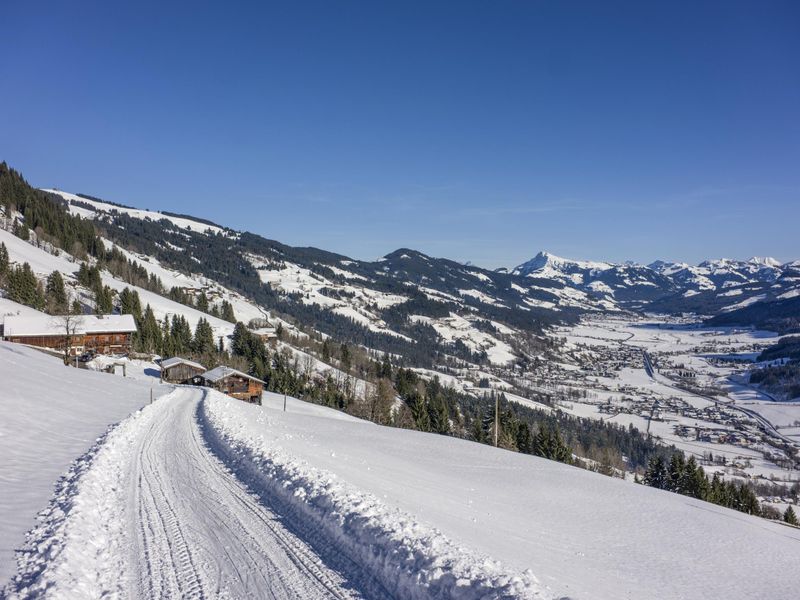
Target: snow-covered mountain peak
(544, 262)
(764, 261)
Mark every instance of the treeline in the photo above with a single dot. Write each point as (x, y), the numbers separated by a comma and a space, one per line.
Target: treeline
(779, 380)
(686, 477)
(20, 284)
(46, 214)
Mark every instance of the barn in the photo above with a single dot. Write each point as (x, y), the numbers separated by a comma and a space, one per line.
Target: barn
(181, 370)
(234, 383)
(104, 334)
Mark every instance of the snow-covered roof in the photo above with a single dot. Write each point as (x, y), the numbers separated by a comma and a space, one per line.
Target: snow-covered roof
(177, 360)
(44, 325)
(222, 372)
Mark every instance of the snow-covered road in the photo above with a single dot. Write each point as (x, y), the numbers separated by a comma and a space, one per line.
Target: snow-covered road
(198, 532)
(156, 514)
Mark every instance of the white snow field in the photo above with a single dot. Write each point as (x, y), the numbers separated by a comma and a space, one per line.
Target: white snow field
(201, 495)
(51, 414)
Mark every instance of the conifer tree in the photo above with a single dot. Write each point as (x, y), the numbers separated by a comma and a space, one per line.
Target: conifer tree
(675, 479)
(790, 517)
(181, 334)
(344, 352)
(4, 260)
(326, 351)
(656, 473)
(149, 333)
(130, 304)
(202, 302)
(25, 288)
(103, 300)
(167, 342)
(227, 312)
(55, 294)
(21, 231)
(203, 341)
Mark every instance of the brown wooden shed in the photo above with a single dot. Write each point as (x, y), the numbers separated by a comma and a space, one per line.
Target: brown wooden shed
(181, 370)
(234, 383)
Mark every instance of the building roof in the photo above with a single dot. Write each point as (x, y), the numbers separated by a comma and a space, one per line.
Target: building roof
(177, 360)
(222, 372)
(46, 325)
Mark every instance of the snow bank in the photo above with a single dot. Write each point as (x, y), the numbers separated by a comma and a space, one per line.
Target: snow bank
(80, 547)
(410, 559)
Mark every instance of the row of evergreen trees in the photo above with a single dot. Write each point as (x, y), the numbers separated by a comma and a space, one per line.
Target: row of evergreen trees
(686, 477)
(46, 214)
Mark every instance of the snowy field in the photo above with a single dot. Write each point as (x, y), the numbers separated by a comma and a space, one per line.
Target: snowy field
(199, 493)
(576, 531)
(51, 415)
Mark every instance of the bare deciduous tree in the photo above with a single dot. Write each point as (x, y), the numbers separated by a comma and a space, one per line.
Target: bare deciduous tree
(69, 323)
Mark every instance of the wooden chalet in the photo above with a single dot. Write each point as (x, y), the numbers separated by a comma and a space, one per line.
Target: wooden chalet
(181, 370)
(103, 334)
(234, 383)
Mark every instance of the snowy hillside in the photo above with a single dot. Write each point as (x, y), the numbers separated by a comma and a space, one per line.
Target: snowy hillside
(317, 504)
(50, 415)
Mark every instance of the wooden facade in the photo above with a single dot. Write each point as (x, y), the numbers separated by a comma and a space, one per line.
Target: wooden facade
(101, 334)
(234, 383)
(101, 343)
(180, 370)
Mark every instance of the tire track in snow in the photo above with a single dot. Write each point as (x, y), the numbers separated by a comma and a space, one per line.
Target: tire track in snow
(200, 533)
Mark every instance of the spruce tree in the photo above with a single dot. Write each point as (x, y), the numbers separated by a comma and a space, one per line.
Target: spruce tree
(4, 260)
(25, 288)
(203, 341)
(675, 478)
(656, 473)
(21, 231)
(55, 293)
(227, 312)
(130, 304)
(202, 302)
(103, 300)
(150, 333)
(344, 352)
(181, 335)
(790, 517)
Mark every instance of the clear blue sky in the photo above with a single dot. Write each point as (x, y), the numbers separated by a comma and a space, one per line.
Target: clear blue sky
(480, 131)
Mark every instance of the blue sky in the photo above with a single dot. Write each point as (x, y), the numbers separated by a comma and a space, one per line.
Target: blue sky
(480, 131)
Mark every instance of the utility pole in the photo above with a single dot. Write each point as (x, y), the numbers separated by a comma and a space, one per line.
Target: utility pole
(284, 403)
(496, 417)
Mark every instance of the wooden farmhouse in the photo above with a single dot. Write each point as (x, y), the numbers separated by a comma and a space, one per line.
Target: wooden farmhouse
(234, 383)
(181, 370)
(103, 334)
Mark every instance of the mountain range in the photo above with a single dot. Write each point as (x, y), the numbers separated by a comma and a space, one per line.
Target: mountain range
(406, 289)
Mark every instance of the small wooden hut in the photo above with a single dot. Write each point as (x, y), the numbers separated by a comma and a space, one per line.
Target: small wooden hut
(234, 383)
(181, 370)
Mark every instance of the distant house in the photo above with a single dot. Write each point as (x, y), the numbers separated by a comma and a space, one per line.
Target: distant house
(181, 370)
(234, 383)
(267, 334)
(104, 334)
